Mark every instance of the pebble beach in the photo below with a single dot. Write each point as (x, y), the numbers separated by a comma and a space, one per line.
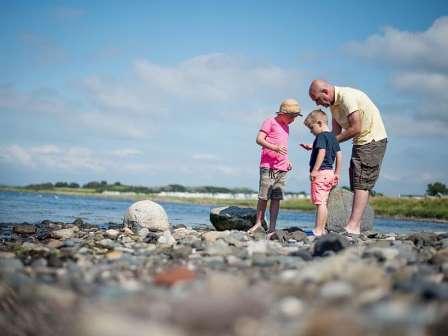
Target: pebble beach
(78, 279)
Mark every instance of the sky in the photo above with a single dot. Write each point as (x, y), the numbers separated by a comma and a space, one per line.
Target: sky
(162, 92)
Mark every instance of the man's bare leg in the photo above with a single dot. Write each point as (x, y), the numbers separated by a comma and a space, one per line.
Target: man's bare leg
(321, 219)
(360, 200)
(261, 209)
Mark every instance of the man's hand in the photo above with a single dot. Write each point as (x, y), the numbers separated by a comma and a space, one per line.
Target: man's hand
(307, 146)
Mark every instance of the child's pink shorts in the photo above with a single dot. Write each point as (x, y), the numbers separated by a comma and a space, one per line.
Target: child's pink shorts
(321, 186)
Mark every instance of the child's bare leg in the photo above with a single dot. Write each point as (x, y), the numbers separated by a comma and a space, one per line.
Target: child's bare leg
(261, 209)
(273, 211)
(321, 219)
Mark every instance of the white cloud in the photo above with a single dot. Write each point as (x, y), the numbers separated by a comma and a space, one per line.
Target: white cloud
(49, 149)
(38, 101)
(142, 105)
(408, 126)
(431, 84)
(215, 78)
(16, 154)
(108, 94)
(426, 50)
(126, 152)
(115, 125)
(51, 156)
(421, 69)
(204, 157)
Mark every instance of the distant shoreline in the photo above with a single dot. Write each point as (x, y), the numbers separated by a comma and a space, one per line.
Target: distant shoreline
(292, 205)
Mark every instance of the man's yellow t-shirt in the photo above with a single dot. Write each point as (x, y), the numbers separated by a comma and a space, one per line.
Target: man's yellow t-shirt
(347, 101)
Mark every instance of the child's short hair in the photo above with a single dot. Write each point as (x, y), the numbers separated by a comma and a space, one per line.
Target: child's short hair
(315, 116)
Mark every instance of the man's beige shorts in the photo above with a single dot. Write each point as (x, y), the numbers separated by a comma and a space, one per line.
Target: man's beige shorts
(272, 184)
(365, 164)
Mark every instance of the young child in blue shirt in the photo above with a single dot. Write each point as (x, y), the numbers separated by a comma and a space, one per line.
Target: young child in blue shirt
(325, 150)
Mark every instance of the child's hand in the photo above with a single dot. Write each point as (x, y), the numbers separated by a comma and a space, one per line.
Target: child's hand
(283, 150)
(336, 180)
(289, 166)
(313, 175)
(307, 146)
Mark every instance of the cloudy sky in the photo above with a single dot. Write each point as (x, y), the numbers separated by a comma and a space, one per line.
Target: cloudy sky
(160, 92)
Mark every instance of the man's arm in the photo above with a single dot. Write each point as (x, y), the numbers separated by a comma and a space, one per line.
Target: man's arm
(354, 128)
(336, 128)
(261, 140)
(319, 159)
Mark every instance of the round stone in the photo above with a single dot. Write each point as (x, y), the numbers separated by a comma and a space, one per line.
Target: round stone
(147, 214)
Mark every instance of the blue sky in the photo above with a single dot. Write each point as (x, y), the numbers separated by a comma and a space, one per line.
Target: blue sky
(159, 92)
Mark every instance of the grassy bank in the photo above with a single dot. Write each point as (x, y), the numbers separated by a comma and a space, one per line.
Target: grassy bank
(433, 208)
(425, 209)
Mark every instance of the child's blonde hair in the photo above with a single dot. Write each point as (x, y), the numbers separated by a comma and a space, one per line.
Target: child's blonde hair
(315, 116)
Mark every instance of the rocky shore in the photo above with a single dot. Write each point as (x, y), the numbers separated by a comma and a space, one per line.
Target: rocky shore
(78, 279)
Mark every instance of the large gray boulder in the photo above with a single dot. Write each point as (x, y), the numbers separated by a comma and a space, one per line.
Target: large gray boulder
(233, 218)
(339, 210)
(146, 214)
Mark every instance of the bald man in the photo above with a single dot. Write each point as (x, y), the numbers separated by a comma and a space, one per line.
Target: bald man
(355, 116)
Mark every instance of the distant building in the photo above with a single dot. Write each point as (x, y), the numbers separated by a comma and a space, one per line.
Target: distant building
(411, 196)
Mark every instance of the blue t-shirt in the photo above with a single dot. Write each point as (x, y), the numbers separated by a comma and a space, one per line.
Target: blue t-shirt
(328, 141)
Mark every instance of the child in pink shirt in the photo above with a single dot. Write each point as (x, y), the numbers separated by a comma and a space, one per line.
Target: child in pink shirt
(274, 164)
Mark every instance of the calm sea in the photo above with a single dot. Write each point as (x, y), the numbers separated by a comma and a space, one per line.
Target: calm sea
(19, 207)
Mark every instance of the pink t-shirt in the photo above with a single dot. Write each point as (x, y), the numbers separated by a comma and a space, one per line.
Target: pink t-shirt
(277, 133)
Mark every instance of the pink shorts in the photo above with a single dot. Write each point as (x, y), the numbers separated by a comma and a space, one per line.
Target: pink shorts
(321, 186)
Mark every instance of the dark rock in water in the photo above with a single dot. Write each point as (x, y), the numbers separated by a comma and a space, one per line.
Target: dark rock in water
(421, 239)
(330, 242)
(115, 226)
(25, 229)
(339, 210)
(233, 218)
(45, 223)
(43, 234)
(78, 222)
(179, 226)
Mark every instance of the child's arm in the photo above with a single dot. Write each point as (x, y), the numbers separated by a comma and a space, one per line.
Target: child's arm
(306, 146)
(261, 140)
(337, 170)
(319, 159)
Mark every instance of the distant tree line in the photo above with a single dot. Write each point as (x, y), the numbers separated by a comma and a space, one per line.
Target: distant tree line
(100, 186)
(436, 189)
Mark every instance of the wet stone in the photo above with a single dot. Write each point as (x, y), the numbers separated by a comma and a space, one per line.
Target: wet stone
(25, 229)
(332, 242)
